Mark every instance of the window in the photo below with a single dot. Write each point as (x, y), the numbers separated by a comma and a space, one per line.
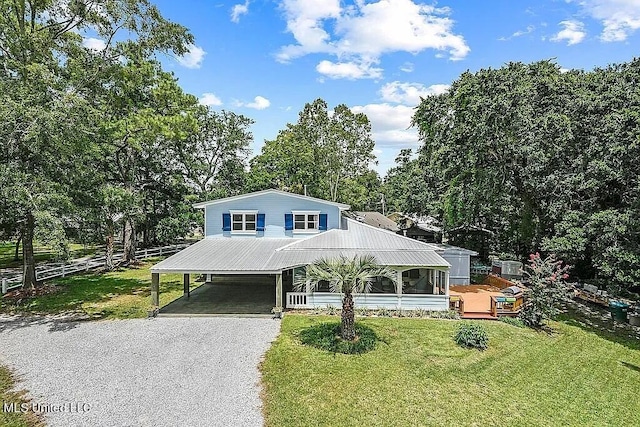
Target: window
(243, 221)
(305, 221)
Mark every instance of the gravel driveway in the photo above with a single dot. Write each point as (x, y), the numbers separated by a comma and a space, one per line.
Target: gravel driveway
(143, 372)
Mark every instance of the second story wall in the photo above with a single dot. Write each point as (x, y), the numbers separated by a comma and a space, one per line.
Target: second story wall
(274, 206)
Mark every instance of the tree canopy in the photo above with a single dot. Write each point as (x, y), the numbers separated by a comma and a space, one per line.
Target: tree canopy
(545, 159)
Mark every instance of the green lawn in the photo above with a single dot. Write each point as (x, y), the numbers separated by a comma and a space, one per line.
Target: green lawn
(13, 419)
(419, 377)
(41, 253)
(121, 294)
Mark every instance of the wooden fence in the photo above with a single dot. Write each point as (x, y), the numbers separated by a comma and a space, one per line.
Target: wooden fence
(46, 272)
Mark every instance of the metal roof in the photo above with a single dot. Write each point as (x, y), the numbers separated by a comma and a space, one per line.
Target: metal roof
(452, 249)
(376, 219)
(357, 235)
(271, 255)
(409, 258)
(223, 254)
(271, 191)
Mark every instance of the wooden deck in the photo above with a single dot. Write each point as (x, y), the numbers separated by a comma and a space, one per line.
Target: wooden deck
(482, 302)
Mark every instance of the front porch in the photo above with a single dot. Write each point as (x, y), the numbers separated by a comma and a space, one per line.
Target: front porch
(422, 288)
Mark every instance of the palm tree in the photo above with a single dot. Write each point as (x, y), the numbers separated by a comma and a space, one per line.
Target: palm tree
(346, 276)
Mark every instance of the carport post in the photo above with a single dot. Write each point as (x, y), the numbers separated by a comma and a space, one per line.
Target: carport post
(155, 289)
(279, 290)
(187, 292)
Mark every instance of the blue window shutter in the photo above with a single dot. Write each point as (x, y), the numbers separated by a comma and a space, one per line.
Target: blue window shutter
(323, 222)
(260, 224)
(288, 221)
(226, 222)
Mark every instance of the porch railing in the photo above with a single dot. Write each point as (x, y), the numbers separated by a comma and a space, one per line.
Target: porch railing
(297, 300)
(368, 300)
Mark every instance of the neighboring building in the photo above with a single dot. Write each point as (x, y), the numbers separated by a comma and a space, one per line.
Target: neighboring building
(376, 219)
(274, 234)
(423, 228)
(460, 260)
(427, 229)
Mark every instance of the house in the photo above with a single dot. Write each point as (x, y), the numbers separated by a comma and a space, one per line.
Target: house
(427, 229)
(269, 236)
(377, 220)
(422, 228)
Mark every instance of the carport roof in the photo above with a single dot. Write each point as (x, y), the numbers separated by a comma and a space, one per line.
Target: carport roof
(224, 254)
(236, 255)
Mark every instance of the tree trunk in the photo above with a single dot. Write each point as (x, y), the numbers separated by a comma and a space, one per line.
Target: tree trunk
(108, 260)
(29, 262)
(16, 255)
(348, 318)
(129, 241)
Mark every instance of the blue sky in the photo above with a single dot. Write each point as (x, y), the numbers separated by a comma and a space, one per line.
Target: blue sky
(267, 58)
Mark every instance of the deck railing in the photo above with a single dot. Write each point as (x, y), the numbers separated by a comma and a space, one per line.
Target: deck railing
(498, 282)
(456, 303)
(47, 272)
(506, 306)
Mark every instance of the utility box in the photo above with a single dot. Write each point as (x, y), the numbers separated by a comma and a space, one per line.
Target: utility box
(507, 269)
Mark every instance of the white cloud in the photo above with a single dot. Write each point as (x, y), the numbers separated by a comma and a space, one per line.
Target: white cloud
(97, 45)
(390, 123)
(573, 32)
(519, 33)
(348, 70)
(193, 58)
(409, 93)
(209, 99)
(238, 10)
(259, 103)
(363, 32)
(407, 67)
(620, 18)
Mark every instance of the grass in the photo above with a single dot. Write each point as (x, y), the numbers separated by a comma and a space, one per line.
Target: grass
(8, 395)
(418, 376)
(120, 294)
(41, 253)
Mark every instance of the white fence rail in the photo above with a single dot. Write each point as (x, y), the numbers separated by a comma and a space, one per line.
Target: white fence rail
(47, 272)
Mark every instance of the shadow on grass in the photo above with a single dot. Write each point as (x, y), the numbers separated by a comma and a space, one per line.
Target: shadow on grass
(597, 320)
(82, 298)
(630, 366)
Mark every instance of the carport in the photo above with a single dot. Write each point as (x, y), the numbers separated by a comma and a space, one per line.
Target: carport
(233, 294)
(238, 279)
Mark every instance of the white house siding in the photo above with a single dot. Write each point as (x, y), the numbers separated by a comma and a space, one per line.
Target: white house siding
(274, 206)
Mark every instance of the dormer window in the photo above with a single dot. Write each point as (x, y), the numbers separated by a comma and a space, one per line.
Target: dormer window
(305, 221)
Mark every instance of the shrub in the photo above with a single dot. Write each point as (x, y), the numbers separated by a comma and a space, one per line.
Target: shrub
(384, 312)
(472, 335)
(326, 336)
(513, 321)
(333, 311)
(545, 291)
(361, 312)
